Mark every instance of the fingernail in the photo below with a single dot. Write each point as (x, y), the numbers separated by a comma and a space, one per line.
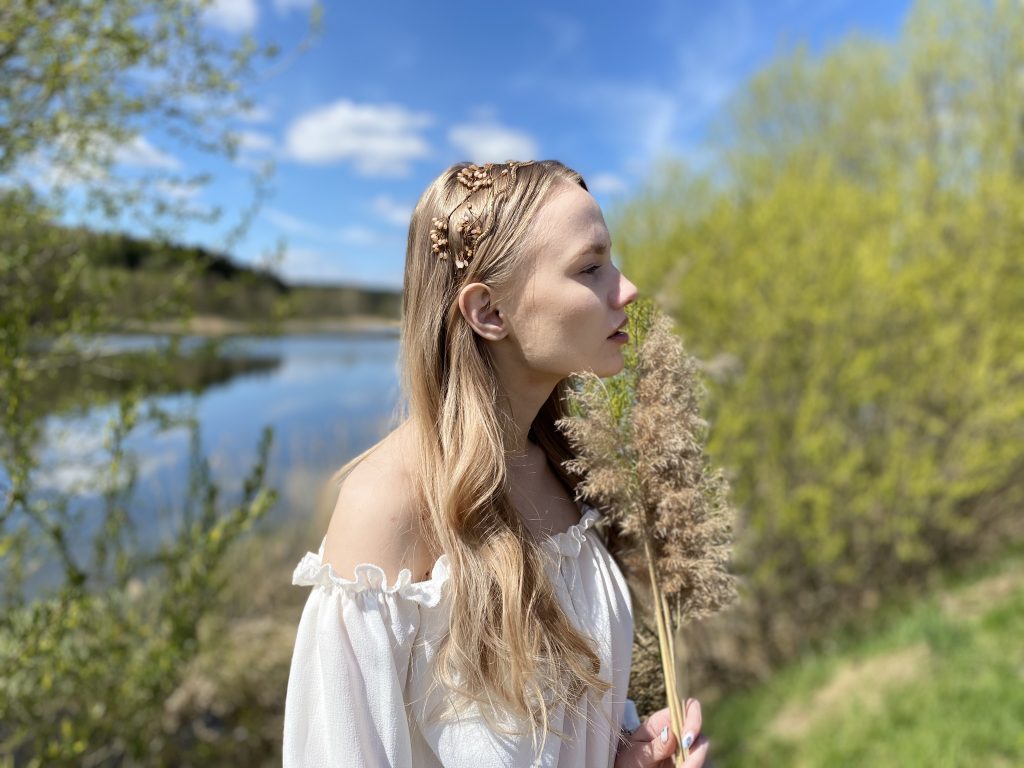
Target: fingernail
(664, 735)
(687, 740)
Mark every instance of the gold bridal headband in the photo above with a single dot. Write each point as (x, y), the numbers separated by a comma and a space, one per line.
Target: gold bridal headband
(473, 177)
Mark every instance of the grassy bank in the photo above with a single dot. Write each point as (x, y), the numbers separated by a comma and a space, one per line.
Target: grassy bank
(938, 683)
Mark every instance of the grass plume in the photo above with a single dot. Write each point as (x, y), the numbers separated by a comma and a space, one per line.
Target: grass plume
(640, 442)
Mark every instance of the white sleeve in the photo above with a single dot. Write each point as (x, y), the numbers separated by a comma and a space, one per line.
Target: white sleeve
(345, 703)
(630, 718)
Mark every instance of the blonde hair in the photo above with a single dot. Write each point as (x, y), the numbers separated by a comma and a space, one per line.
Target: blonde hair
(510, 646)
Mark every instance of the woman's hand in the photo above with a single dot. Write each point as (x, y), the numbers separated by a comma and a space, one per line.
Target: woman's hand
(647, 750)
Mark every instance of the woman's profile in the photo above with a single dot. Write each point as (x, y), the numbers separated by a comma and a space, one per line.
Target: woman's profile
(464, 611)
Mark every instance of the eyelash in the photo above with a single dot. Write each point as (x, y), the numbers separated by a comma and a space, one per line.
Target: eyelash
(592, 270)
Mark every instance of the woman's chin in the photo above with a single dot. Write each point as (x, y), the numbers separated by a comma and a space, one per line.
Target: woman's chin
(610, 368)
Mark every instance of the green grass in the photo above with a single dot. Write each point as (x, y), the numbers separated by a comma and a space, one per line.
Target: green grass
(939, 683)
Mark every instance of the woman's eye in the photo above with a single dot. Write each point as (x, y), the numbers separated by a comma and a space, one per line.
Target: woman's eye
(593, 269)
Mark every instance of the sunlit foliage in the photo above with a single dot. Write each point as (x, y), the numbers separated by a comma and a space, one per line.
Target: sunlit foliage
(852, 276)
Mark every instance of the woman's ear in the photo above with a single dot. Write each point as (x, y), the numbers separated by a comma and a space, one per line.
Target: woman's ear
(476, 302)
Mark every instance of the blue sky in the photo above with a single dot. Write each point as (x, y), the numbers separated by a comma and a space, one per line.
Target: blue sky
(393, 92)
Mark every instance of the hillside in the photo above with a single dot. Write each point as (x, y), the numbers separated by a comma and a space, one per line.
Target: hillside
(223, 294)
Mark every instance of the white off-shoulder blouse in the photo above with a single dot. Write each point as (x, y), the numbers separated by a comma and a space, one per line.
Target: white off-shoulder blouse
(360, 681)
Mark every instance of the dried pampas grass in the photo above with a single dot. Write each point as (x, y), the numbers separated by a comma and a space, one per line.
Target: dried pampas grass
(640, 440)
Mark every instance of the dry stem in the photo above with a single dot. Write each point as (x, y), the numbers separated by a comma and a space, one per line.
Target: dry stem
(666, 644)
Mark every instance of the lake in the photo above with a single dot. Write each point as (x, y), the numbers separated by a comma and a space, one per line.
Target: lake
(327, 398)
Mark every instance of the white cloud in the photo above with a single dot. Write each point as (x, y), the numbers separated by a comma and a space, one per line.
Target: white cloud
(357, 235)
(289, 223)
(380, 140)
(310, 265)
(62, 167)
(46, 175)
(139, 153)
(255, 150)
(69, 478)
(180, 191)
(353, 234)
(710, 61)
(284, 6)
(77, 459)
(392, 211)
(559, 38)
(606, 183)
(254, 141)
(643, 118)
(492, 143)
(233, 15)
(257, 113)
(565, 32)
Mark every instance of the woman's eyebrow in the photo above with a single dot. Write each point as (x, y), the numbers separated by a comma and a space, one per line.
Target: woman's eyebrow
(599, 247)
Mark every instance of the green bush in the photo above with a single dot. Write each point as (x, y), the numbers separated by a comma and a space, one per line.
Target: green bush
(86, 676)
(89, 660)
(857, 303)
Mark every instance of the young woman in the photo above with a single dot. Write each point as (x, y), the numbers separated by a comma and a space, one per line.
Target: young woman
(465, 612)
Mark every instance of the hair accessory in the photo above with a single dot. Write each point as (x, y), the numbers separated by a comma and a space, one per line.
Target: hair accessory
(473, 177)
(470, 234)
(438, 239)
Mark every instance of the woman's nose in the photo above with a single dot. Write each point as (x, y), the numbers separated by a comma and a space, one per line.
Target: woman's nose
(627, 291)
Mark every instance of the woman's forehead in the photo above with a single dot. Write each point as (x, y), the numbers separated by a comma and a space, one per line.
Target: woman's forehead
(572, 220)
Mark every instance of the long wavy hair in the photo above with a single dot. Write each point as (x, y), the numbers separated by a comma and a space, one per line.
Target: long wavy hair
(510, 646)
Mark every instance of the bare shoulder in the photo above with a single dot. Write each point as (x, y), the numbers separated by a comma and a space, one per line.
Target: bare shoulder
(376, 517)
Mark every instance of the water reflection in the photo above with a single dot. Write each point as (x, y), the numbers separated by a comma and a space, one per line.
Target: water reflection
(326, 397)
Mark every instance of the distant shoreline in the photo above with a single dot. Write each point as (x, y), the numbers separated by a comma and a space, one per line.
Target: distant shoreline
(216, 326)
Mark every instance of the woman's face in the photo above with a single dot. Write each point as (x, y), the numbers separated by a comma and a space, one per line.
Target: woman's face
(570, 298)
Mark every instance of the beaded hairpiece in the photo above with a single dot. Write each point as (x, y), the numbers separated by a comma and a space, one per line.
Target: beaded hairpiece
(473, 177)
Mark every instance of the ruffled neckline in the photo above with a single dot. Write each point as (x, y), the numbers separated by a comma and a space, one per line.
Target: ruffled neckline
(569, 542)
(313, 572)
